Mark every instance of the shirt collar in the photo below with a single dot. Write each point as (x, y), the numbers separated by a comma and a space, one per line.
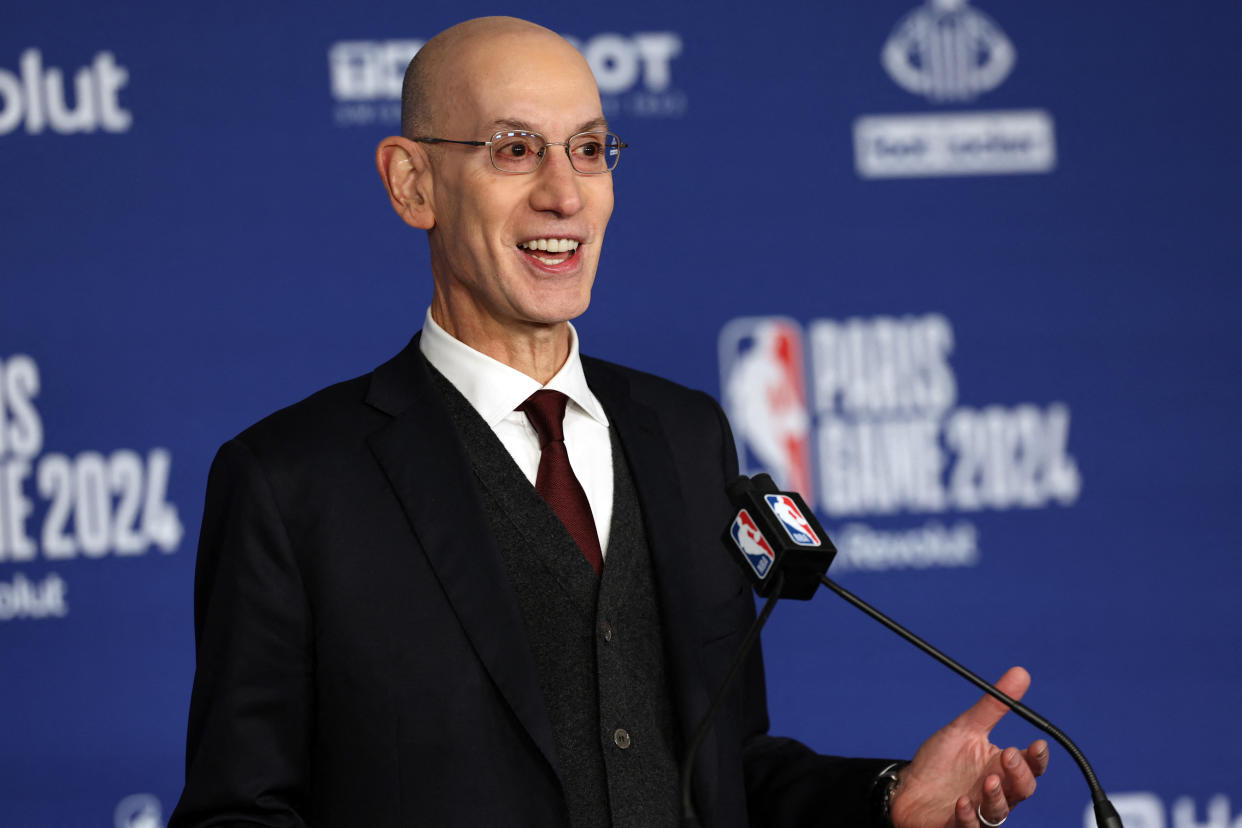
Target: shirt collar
(494, 389)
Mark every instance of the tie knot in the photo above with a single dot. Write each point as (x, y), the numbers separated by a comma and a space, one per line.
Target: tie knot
(546, 411)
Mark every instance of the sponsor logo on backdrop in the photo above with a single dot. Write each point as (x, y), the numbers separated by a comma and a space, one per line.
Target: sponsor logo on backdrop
(634, 73)
(766, 398)
(1147, 810)
(37, 97)
(140, 810)
(947, 51)
(94, 505)
(366, 80)
(881, 434)
(984, 143)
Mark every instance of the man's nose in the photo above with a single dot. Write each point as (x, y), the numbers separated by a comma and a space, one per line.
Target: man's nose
(557, 186)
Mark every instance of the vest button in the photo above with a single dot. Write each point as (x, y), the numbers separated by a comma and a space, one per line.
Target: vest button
(607, 630)
(621, 738)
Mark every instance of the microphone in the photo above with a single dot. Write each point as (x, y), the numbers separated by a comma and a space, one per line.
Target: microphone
(774, 531)
(784, 552)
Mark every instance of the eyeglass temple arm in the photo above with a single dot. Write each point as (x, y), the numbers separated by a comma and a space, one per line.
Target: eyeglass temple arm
(620, 144)
(450, 141)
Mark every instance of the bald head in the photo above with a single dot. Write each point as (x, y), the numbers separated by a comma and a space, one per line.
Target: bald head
(513, 252)
(445, 60)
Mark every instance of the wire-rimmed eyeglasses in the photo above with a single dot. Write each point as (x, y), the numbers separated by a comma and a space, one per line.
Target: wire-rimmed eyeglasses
(518, 152)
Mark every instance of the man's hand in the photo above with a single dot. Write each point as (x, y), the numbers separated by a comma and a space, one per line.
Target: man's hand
(958, 769)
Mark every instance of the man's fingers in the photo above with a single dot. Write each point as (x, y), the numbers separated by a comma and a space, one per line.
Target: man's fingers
(1019, 776)
(964, 814)
(1037, 757)
(985, 713)
(994, 807)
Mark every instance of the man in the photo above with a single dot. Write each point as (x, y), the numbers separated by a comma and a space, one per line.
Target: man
(395, 627)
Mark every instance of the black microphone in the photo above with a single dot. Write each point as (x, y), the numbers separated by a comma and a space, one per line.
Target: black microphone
(782, 549)
(774, 531)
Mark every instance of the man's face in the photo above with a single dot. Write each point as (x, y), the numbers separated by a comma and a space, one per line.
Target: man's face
(486, 221)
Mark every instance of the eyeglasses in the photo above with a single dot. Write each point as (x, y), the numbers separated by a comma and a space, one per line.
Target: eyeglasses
(517, 153)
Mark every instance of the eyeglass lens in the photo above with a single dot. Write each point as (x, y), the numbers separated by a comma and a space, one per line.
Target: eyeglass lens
(522, 152)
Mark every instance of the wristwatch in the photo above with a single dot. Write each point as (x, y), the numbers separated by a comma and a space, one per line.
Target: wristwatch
(882, 790)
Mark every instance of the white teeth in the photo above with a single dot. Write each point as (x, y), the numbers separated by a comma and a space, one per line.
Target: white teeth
(550, 245)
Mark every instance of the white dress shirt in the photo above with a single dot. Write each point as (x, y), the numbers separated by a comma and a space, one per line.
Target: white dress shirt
(495, 391)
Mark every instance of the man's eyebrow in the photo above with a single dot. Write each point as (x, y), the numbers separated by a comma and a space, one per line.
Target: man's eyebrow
(513, 123)
(593, 125)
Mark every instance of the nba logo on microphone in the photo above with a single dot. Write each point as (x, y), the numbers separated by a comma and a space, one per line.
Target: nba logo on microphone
(764, 390)
(795, 525)
(752, 543)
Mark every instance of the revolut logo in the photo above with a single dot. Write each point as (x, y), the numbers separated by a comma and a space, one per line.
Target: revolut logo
(94, 505)
(634, 74)
(949, 52)
(878, 432)
(1147, 810)
(41, 97)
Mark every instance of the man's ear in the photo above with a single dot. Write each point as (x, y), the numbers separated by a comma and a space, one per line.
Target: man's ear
(404, 168)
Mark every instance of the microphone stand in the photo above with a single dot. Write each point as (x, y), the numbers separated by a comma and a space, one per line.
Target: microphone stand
(1105, 814)
(690, 819)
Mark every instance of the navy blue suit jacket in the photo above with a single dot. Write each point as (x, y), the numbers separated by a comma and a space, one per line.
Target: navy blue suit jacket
(361, 659)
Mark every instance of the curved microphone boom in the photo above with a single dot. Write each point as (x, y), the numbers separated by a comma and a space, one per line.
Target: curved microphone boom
(775, 536)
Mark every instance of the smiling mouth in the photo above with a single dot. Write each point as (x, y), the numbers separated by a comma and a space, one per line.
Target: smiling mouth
(550, 251)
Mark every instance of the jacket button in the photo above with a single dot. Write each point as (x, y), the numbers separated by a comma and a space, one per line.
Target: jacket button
(621, 738)
(607, 630)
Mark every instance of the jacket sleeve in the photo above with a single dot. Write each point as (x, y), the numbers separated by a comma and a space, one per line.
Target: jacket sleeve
(247, 749)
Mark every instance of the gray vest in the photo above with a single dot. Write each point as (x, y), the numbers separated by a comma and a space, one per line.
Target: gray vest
(596, 641)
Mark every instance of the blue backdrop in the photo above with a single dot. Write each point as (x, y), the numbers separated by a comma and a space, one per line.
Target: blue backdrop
(966, 273)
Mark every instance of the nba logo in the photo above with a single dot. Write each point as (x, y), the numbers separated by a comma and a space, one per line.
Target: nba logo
(764, 390)
(752, 543)
(796, 526)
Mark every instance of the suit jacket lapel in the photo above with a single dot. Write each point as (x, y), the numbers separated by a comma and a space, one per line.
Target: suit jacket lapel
(655, 477)
(432, 477)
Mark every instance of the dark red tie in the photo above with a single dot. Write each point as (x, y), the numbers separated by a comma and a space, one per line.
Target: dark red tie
(555, 480)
